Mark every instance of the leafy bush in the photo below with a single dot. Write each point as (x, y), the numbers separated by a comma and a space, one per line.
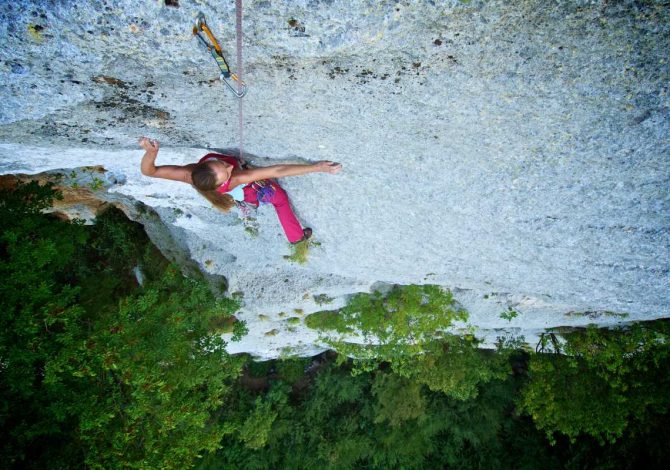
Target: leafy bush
(604, 380)
(457, 367)
(292, 370)
(327, 320)
(399, 323)
(38, 257)
(406, 328)
(149, 377)
(398, 399)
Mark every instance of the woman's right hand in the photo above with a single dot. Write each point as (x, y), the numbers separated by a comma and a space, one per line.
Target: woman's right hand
(150, 145)
(328, 167)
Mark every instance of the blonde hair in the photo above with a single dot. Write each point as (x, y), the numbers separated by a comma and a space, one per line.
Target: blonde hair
(203, 176)
(204, 181)
(223, 202)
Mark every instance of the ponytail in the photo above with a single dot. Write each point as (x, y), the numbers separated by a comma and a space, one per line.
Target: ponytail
(223, 202)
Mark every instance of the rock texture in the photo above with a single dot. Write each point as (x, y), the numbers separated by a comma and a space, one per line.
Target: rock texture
(516, 152)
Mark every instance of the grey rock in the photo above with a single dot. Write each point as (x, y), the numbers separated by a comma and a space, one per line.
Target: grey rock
(527, 154)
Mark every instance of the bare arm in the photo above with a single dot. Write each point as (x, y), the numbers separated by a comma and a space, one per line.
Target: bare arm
(279, 171)
(169, 172)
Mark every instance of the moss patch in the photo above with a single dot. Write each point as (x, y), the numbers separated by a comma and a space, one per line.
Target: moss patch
(299, 252)
(321, 299)
(327, 320)
(223, 324)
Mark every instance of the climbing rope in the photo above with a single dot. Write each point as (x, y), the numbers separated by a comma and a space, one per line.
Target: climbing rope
(208, 40)
(241, 87)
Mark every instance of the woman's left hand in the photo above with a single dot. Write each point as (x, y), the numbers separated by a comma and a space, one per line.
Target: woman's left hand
(150, 145)
(328, 167)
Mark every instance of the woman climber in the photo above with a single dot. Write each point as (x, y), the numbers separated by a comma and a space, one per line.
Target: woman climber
(223, 180)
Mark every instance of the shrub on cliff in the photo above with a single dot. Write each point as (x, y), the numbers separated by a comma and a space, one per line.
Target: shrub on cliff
(405, 327)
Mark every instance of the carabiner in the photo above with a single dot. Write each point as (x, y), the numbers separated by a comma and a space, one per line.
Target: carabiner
(241, 92)
(214, 49)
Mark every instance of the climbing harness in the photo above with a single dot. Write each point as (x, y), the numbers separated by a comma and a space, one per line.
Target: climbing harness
(212, 45)
(265, 190)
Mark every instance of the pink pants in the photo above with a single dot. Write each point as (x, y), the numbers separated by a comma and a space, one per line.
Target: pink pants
(287, 219)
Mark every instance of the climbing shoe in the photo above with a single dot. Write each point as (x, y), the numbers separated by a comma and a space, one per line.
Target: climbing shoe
(306, 235)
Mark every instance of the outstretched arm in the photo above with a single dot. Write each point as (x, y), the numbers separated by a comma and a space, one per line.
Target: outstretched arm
(169, 172)
(279, 171)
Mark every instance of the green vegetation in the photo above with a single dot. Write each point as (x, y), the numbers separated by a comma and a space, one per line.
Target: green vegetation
(226, 323)
(322, 299)
(337, 417)
(299, 252)
(97, 371)
(332, 418)
(510, 314)
(327, 320)
(252, 231)
(405, 318)
(405, 328)
(97, 184)
(292, 370)
(604, 380)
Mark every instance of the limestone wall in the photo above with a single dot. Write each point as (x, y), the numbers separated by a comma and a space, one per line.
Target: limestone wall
(516, 152)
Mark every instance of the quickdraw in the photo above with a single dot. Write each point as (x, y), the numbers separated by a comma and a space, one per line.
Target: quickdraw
(215, 50)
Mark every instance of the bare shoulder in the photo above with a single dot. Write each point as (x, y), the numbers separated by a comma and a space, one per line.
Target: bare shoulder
(253, 174)
(239, 177)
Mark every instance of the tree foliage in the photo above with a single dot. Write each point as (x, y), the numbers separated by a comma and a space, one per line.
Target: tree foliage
(37, 303)
(406, 327)
(603, 380)
(94, 368)
(381, 419)
(369, 420)
(97, 371)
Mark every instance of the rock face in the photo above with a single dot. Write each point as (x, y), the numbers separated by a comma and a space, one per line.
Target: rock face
(515, 152)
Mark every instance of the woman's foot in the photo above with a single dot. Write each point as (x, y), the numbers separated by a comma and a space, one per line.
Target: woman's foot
(306, 235)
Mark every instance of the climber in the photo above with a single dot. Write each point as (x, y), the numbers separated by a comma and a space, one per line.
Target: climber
(224, 180)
